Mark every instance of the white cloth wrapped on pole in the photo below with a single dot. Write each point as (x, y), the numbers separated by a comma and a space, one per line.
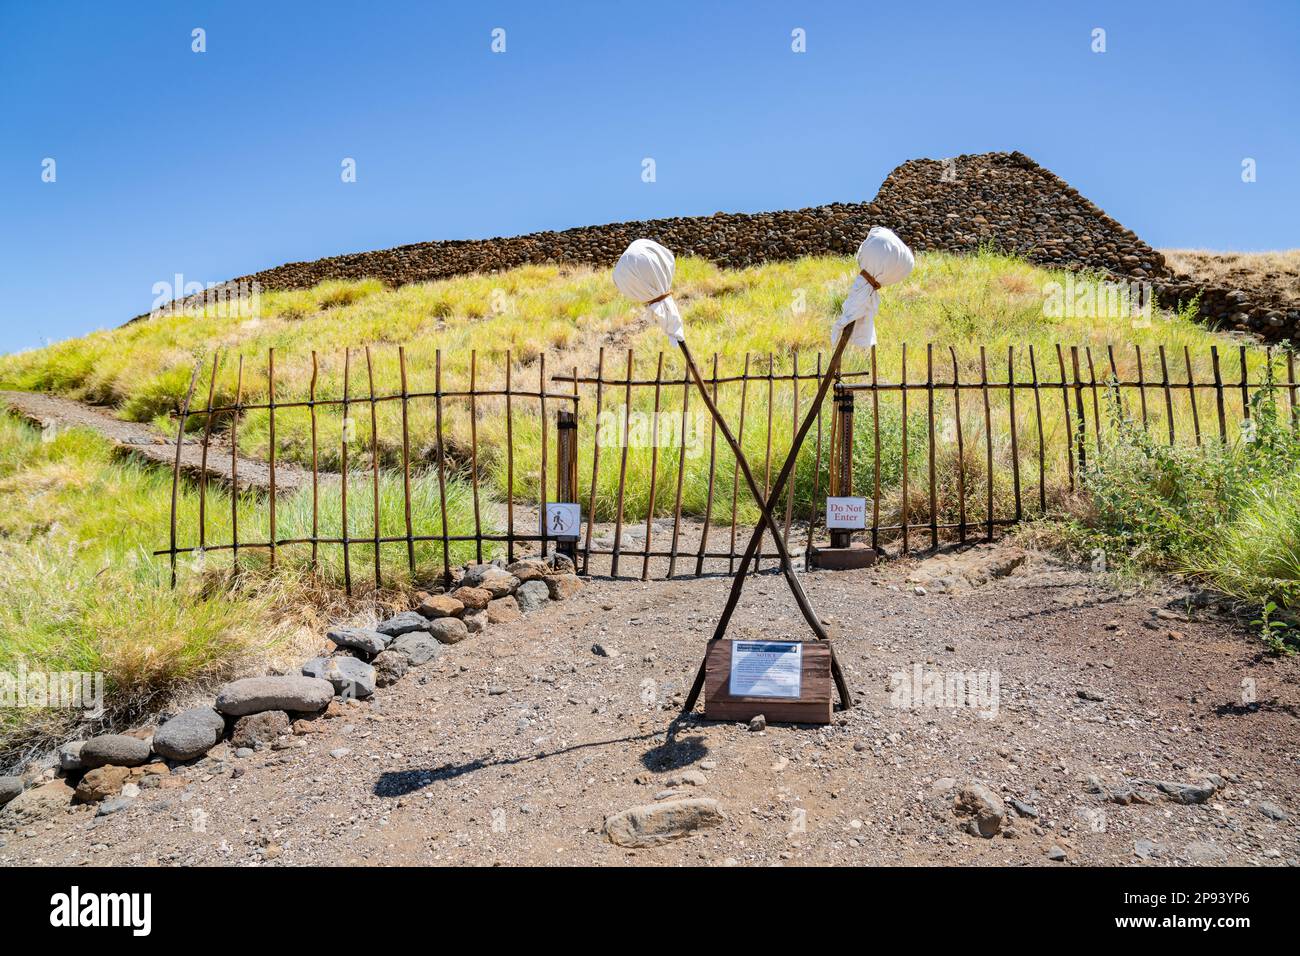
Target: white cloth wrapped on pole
(645, 273)
(886, 259)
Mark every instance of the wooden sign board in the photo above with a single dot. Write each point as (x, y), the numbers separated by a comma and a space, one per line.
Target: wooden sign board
(811, 706)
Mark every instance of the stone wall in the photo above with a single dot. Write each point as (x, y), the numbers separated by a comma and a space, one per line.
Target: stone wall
(1004, 200)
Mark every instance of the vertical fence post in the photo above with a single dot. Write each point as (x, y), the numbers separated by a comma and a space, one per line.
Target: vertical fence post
(176, 471)
(315, 462)
(929, 411)
(1218, 394)
(566, 465)
(374, 464)
(234, 468)
(842, 474)
(203, 463)
(595, 459)
(902, 384)
(708, 495)
(270, 385)
(1079, 410)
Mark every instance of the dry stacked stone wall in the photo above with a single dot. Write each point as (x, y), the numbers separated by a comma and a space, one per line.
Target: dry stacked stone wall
(1003, 200)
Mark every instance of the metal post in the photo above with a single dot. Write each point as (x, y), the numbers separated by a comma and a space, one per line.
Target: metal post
(842, 480)
(566, 458)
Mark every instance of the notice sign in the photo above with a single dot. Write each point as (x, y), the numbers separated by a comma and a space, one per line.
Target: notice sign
(766, 669)
(562, 520)
(846, 512)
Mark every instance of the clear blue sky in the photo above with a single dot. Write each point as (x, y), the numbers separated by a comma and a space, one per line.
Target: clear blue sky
(222, 163)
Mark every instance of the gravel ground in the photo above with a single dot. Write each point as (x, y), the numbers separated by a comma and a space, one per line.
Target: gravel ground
(513, 746)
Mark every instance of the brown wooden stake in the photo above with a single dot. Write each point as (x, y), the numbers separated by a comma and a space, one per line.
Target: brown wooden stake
(794, 424)
(270, 384)
(988, 446)
(343, 474)
(1141, 385)
(510, 467)
(473, 450)
(1078, 408)
(406, 466)
(374, 464)
(654, 470)
(234, 467)
(1015, 443)
(1169, 398)
(1121, 407)
(566, 470)
(595, 459)
(203, 463)
(1291, 390)
(817, 474)
(1218, 394)
(1065, 407)
(1245, 384)
(1042, 449)
(735, 471)
(929, 411)
(1191, 395)
(315, 463)
(622, 468)
(542, 485)
(1096, 404)
(442, 466)
(681, 475)
(903, 397)
(875, 463)
(176, 470)
(842, 465)
(767, 454)
(961, 449)
(708, 498)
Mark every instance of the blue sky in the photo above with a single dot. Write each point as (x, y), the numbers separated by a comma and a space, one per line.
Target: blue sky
(221, 163)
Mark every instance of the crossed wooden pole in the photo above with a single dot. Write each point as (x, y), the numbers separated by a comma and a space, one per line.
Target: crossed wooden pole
(767, 521)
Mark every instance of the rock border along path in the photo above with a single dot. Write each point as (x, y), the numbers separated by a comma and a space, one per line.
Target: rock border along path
(274, 709)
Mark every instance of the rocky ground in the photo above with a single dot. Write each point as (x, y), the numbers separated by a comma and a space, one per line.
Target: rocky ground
(1124, 728)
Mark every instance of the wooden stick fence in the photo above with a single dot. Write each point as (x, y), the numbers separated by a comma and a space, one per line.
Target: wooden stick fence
(981, 467)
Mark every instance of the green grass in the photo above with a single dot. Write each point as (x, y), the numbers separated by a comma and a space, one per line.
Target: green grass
(80, 589)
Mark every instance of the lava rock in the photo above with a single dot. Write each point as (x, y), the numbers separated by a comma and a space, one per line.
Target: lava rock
(189, 734)
(302, 695)
(260, 728)
(403, 623)
(349, 676)
(658, 823)
(360, 639)
(120, 750)
(418, 647)
(390, 667)
(984, 808)
(448, 630)
(503, 610)
(532, 595)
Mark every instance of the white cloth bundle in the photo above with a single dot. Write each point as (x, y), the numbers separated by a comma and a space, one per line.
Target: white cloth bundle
(886, 259)
(645, 273)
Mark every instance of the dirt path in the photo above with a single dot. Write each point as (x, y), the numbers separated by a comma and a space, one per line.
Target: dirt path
(513, 746)
(146, 442)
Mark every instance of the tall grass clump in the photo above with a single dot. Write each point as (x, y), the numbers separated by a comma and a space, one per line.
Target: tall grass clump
(1227, 513)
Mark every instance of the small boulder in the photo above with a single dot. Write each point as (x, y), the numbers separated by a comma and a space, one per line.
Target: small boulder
(984, 808)
(475, 622)
(259, 728)
(360, 639)
(498, 583)
(113, 805)
(503, 610)
(448, 630)
(529, 569)
(658, 823)
(41, 803)
(564, 586)
(70, 756)
(102, 783)
(562, 564)
(303, 695)
(119, 750)
(404, 623)
(758, 723)
(10, 787)
(472, 599)
(532, 595)
(189, 734)
(390, 667)
(418, 647)
(349, 676)
(440, 605)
